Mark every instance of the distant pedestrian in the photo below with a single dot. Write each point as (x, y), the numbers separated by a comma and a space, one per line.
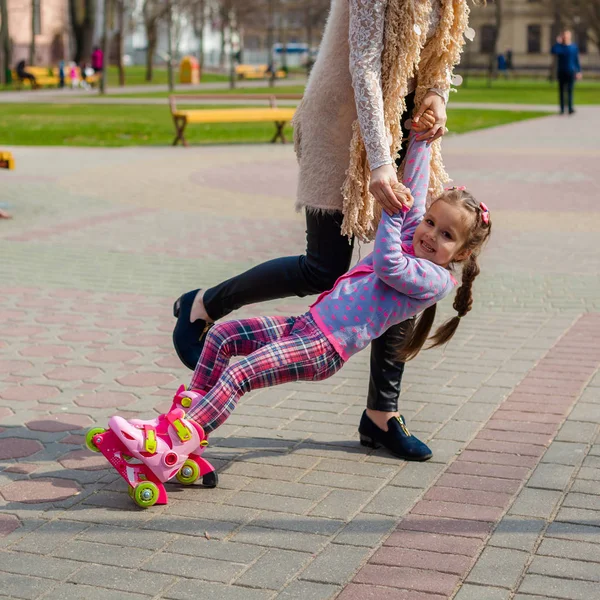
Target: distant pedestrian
(568, 69)
(22, 74)
(509, 59)
(97, 60)
(502, 66)
(61, 74)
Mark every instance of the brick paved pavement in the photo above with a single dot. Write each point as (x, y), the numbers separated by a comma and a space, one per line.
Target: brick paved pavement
(509, 507)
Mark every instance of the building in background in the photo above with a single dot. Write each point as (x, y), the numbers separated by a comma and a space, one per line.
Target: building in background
(528, 29)
(52, 29)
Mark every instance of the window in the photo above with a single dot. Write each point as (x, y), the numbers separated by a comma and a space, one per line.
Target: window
(488, 39)
(534, 39)
(37, 16)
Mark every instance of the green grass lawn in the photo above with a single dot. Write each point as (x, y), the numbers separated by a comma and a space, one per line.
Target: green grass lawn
(115, 125)
(475, 89)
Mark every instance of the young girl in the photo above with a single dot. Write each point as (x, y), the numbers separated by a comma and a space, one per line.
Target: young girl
(408, 272)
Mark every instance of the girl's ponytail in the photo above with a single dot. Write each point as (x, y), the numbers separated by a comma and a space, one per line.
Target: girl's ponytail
(463, 303)
(418, 334)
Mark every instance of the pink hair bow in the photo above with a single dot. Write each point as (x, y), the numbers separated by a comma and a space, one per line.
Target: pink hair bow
(485, 213)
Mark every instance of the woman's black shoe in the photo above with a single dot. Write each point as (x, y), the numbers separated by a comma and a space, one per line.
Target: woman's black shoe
(188, 338)
(397, 439)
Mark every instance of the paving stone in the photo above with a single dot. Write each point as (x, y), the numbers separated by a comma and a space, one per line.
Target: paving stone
(21, 586)
(40, 490)
(551, 477)
(336, 564)
(418, 475)
(193, 567)
(569, 589)
(366, 530)
(499, 567)
(535, 503)
(8, 523)
(407, 578)
(570, 549)
(214, 549)
(341, 504)
(21, 563)
(192, 590)
(308, 590)
(12, 447)
(519, 533)
(422, 559)
(301, 523)
(189, 526)
(269, 502)
(121, 536)
(564, 453)
(393, 501)
(128, 580)
(359, 591)
(475, 592)
(103, 554)
(72, 591)
(274, 569)
(280, 538)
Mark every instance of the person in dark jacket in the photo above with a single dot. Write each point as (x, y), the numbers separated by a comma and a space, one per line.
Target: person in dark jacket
(568, 69)
(22, 74)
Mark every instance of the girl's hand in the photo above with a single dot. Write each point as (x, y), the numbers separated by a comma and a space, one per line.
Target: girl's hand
(404, 195)
(427, 121)
(384, 181)
(436, 104)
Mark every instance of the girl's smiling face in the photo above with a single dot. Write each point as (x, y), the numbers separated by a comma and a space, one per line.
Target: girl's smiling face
(441, 235)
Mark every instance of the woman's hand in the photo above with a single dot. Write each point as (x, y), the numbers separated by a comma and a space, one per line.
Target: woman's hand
(387, 190)
(436, 104)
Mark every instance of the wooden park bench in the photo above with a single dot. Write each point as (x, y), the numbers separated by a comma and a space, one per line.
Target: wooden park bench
(257, 72)
(277, 115)
(6, 160)
(48, 77)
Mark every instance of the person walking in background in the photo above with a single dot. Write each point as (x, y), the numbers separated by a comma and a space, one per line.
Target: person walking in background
(97, 60)
(568, 69)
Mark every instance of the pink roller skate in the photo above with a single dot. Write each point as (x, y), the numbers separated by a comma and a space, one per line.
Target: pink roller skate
(148, 453)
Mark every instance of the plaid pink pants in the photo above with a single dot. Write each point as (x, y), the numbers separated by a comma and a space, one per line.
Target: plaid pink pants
(276, 350)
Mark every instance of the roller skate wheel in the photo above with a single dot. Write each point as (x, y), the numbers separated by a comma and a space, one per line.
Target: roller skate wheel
(189, 472)
(210, 480)
(89, 438)
(145, 494)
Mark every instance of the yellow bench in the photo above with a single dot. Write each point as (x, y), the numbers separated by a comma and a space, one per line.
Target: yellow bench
(256, 72)
(279, 116)
(6, 160)
(48, 77)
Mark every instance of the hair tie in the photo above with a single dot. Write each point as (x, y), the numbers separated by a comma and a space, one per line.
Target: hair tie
(485, 213)
(460, 188)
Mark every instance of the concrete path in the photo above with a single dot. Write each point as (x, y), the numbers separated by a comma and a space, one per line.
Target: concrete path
(102, 242)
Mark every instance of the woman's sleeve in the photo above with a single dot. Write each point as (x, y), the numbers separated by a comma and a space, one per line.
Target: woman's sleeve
(367, 18)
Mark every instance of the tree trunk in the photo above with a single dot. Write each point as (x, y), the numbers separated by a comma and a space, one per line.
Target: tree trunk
(492, 64)
(170, 46)
(120, 35)
(199, 23)
(105, 47)
(151, 36)
(83, 14)
(34, 5)
(5, 49)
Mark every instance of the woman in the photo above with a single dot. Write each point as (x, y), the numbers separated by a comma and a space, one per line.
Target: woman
(348, 131)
